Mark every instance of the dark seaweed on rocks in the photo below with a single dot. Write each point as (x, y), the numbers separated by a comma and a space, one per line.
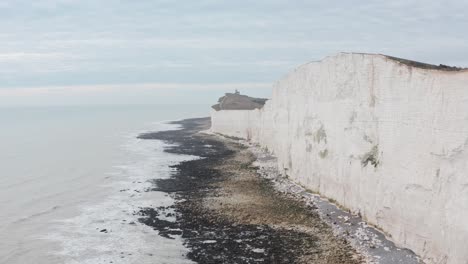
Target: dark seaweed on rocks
(210, 238)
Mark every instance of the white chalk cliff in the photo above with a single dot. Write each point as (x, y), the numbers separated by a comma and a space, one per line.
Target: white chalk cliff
(382, 138)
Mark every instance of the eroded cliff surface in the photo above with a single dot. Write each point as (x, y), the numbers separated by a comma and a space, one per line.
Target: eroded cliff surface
(382, 137)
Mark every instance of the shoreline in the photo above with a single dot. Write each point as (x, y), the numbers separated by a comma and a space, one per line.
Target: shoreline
(369, 241)
(107, 230)
(226, 213)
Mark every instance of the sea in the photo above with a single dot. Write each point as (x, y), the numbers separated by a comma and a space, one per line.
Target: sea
(73, 178)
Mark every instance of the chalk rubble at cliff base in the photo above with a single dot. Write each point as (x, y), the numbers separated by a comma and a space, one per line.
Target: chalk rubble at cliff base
(369, 241)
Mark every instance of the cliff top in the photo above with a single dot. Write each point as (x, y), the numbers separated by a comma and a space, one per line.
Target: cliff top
(410, 63)
(237, 101)
(423, 65)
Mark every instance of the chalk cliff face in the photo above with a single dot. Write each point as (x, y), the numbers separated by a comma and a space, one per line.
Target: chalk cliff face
(381, 137)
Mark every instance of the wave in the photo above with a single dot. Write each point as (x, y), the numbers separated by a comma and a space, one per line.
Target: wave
(44, 212)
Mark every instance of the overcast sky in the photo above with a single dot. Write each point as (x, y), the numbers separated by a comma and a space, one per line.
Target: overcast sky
(80, 51)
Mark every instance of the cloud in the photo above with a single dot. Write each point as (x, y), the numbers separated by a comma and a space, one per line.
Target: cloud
(75, 90)
(31, 56)
(72, 42)
(143, 93)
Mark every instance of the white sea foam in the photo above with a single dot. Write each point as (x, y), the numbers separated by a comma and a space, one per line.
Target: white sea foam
(109, 232)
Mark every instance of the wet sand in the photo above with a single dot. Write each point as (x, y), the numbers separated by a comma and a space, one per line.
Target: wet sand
(227, 213)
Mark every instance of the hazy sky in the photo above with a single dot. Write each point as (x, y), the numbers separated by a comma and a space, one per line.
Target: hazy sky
(103, 51)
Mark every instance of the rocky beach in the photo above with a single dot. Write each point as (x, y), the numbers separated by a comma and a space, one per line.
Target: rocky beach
(226, 213)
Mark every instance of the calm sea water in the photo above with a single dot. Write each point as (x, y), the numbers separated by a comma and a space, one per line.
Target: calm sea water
(67, 173)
